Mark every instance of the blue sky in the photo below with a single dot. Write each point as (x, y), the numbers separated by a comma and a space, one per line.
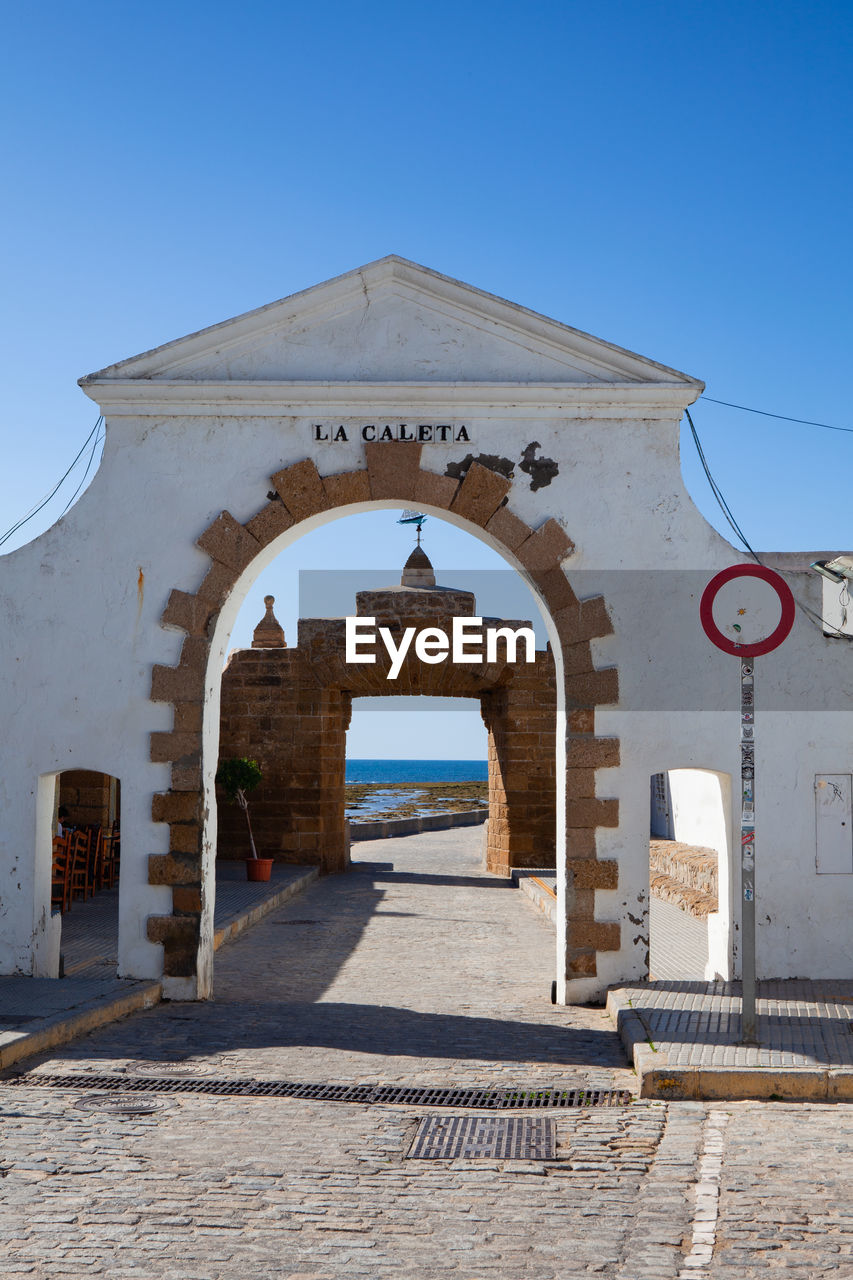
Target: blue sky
(675, 178)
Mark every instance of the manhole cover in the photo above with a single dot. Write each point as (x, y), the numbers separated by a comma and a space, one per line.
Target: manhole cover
(119, 1105)
(169, 1069)
(484, 1138)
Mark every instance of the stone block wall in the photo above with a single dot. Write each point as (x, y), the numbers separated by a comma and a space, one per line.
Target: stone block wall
(90, 798)
(289, 709)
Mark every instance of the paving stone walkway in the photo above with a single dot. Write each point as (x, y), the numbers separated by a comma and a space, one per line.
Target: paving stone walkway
(417, 967)
(414, 967)
(90, 929)
(36, 1013)
(685, 1039)
(678, 942)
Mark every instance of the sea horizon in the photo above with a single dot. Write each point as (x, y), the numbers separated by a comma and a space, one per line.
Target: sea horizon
(388, 771)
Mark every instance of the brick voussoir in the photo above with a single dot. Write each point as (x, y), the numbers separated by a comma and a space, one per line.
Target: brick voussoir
(176, 684)
(584, 620)
(174, 869)
(185, 838)
(596, 934)
(508, 529)
(186, 901)
(188, 613)
(186, 773)
(589, 873)
(176, 806)
(269, 522)
(592, 753)
(301, 489)
(547, 547)
(168, 745)
(433, 490)
(592, 688)
(182, 930)
(592, 812)
(228, 542)
(195, 652)
(581, 963)
(217, 584)
(555, 589)
(393, 467)
(347, 487)
(480, 494)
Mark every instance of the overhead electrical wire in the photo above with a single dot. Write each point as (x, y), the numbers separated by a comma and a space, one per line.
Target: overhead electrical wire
(826, 627)
(45, 500)
(99, 439)
(765, 413)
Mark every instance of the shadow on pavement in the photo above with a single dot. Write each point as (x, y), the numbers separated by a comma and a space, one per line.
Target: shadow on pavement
(370, 1029)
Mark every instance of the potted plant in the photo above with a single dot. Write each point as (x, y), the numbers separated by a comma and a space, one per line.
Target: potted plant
(237, 777)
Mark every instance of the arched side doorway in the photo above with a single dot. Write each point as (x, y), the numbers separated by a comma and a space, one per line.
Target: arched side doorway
(393, 472)
(691, 864)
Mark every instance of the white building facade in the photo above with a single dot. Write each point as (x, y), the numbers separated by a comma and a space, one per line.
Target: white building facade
(392, 386)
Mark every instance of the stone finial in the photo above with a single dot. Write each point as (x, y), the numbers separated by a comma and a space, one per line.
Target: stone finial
(269, 633)
(418, 571)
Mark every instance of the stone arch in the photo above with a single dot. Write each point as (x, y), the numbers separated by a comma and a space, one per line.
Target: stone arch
(393, 471)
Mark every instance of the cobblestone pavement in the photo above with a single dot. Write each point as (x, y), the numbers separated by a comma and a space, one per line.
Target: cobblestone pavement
(422, 969)
(431, 973)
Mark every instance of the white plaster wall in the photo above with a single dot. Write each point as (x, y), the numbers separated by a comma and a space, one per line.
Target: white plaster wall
(700, 813)
(81, 608)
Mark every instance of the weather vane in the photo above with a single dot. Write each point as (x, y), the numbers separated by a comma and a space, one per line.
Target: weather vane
(413, 517)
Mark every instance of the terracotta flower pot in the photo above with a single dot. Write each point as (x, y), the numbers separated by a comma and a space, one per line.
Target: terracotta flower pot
(258, 868)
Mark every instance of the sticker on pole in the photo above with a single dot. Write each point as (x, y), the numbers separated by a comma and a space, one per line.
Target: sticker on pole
(747, 610)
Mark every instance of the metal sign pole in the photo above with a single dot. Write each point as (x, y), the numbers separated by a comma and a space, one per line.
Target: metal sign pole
(746, 653)
(747, 848)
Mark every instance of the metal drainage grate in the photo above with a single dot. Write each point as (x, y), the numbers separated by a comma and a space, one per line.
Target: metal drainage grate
(368, 1094)
(484, 1138)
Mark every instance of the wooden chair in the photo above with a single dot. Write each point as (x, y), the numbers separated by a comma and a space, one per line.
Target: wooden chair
(109, 863)
(116, 853)
(95, 859)
(60, 881)
(80, 845)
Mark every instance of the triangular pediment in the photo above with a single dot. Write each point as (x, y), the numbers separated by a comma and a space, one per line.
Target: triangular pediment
(392, 321)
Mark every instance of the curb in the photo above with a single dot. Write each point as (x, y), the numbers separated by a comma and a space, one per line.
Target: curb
(657, 1079)
(88, 1017)
(541, 895)
(381, 829)
(238, 924)
(60, 1028)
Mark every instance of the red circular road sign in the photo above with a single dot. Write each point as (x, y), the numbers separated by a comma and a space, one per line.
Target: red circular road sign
(786, 600)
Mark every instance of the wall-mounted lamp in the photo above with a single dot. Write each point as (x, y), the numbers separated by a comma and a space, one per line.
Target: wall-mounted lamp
(838, 570)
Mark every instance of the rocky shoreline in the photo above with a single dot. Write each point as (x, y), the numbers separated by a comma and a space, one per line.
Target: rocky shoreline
(373, 801)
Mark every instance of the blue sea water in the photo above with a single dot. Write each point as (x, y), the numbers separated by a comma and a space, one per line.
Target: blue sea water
(417, 770)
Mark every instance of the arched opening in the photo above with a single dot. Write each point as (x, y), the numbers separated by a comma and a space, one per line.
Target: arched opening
(303, 500)
(689, 875)
(80, 821)
(289, 705)
(390, 791)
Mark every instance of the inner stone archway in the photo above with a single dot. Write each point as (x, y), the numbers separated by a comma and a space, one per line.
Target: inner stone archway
(479, 497)
(289, 709)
